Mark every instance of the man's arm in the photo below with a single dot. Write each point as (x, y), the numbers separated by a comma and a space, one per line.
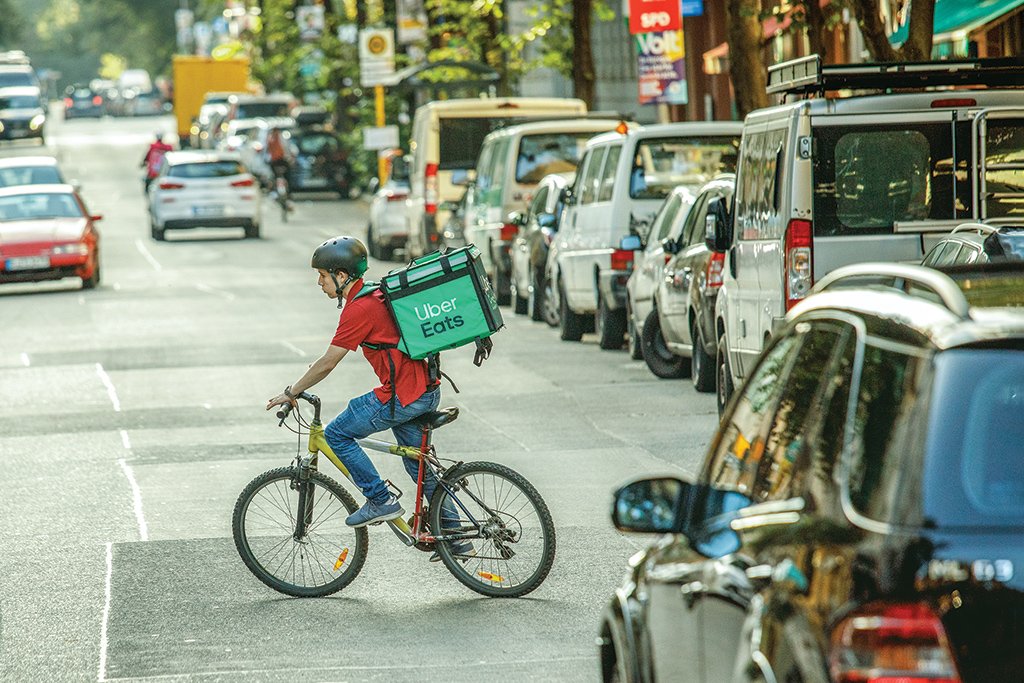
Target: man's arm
(319, 369)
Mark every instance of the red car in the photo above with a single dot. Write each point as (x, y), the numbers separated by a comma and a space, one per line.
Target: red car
(46, 233)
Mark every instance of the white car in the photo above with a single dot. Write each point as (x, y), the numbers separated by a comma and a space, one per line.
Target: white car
(237, 134)
(30, 170)
(254, 151)
(203, 189)
(387, 229)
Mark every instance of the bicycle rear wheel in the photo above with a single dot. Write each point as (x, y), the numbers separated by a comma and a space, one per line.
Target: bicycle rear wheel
(324, 559)
(507, 521)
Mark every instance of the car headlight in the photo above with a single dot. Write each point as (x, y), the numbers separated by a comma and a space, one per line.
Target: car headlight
(37, 121)
(1, 126)
(75, 248)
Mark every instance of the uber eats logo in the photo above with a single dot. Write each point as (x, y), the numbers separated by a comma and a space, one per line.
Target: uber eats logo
(433, 322)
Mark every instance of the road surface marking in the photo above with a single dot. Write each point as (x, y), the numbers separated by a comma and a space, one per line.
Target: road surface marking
(149, 257)
(136, 499)
(102, 675)
(125, 440)
(218, 292)
(293, 347)
(111, 392)
(24, 360)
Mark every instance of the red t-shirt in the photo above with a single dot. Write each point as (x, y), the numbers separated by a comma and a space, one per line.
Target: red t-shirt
(367, 320)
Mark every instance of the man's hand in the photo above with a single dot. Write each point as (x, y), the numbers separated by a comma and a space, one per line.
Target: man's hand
(280, 400)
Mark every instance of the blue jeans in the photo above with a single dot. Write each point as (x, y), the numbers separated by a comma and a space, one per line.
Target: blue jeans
(366, 415)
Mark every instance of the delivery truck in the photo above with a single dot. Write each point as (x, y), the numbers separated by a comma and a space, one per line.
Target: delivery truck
(195, 76)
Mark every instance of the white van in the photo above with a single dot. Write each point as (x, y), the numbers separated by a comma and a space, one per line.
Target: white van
(444, 146)
(621, 183)
(512, 162)
(823, 183)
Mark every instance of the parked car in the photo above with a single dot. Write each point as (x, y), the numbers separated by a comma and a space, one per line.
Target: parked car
(453, 232)
(18, 76)
(622, 181)
(83, 101)
(147, 103)
(387, 227)
(203, 189)
(46, 233)
(977, 243)
(254, 152)
(654, 245)
(859, 514)
(22, 115)
(529, 254)
(512, 161)
(244, 106)
(321, 163)
(36, 170)
(237, 134)
(444, 146)
(825, 182)
(685, 297)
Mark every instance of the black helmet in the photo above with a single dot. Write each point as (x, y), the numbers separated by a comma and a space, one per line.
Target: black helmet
(341, 253)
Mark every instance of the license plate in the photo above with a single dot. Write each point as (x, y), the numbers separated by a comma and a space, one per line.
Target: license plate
(207, 210)
(16, 133)
(28, 263)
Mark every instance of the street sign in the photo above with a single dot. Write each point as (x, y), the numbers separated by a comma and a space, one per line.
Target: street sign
(382, 137)
(646, 16)
(376, 56)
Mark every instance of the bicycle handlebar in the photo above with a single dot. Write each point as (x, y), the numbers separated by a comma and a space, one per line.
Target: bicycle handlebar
(286, 408)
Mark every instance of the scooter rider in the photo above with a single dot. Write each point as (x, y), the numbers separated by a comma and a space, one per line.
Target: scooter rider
(365, 321)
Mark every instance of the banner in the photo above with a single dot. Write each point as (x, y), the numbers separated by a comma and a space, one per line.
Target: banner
(412, 21)
(654, 15)
(661, 70)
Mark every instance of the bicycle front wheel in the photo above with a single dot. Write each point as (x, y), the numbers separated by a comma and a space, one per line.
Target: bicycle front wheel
(318, 557)
(497, 510)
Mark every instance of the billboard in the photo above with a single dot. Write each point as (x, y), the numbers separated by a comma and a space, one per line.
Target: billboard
(661, 70)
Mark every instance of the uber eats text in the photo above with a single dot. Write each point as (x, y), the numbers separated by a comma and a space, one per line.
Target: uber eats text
(430, 313)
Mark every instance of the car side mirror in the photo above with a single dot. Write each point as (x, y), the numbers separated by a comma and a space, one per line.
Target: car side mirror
(516, 218)
(566, 195)
(547, 220)
(717, 236)
(652, 506)
(463, 177)
(373, 185)
(631, 243)
(710, 519)
(670, 246)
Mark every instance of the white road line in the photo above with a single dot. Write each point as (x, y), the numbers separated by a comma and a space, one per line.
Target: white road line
(102, 675)
(218, 292)
(24, 360)
(293, 347)
(136, 499)
(146, 255)
(105, 378)
(125, 440)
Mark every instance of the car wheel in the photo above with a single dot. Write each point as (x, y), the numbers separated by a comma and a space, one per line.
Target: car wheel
(93, 280)
(723, 376)
(610, 325)
(702, 365)
(252, 231)
(635, 348)
(502, 286)
(662, 362)
(549, 310)
(156, 232)
(519, 304)
(571, 324)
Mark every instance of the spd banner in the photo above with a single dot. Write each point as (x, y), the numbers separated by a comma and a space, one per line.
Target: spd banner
(646, 16)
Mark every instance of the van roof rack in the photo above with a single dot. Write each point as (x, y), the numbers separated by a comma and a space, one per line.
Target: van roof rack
(807, 75)
(865, 273)
(980, 228)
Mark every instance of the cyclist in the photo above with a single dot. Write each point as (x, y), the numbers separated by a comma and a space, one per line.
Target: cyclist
(341, 263)
(278, 153)
(154, 158)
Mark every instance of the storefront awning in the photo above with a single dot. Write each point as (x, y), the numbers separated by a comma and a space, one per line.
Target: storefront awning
(955, 19)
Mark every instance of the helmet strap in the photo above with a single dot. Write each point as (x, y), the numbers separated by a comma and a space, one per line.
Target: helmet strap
(338, 288)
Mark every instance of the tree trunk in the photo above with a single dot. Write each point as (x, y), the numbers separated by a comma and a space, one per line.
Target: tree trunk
(816, 31)
(919, 41)
(583, 76)
(746, 66)
(922, 22)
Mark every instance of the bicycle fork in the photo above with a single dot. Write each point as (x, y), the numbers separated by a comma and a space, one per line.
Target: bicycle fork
(306, 489)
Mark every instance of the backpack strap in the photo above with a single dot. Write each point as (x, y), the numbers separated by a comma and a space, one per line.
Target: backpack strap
(391, 366)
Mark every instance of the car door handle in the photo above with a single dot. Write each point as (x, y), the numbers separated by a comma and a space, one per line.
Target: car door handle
(690, 592)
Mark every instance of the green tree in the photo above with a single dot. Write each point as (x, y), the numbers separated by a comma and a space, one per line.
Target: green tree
(746, 55)
(11, 26)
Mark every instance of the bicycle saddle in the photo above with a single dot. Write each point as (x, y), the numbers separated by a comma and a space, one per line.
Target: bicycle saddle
(436, 418)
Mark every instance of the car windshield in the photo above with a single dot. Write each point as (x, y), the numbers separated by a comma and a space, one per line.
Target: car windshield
(19, 102)
(254, 110)
(26, 207)
(974, 471)
(661, 164)
(29, 175)
(10, 79)
(206, 169)
(540, 155)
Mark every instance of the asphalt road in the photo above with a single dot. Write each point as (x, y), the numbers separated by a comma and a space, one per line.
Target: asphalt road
(132, 416)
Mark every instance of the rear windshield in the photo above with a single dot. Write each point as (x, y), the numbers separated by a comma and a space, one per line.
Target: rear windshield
(660, 165)
(315, 144)
(207, 169)
(19, 102)
(41, 205)
(540, 155)
(252, 110)
(974, 474)
(460, 140)
(29, 175)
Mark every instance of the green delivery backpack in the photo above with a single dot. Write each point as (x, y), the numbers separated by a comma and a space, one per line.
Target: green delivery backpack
(439, 301)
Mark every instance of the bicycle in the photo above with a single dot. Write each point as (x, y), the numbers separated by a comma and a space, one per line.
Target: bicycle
(282, 195)
(299, 545)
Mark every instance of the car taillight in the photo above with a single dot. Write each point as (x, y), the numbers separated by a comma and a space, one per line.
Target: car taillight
(798, 263)
(716, 266)
(68, 102)
(622, 259)
(97, 100)
(891, 643)
(508, 232)
(396, 196)
(248, 182)
(430, 189)
(171, 186)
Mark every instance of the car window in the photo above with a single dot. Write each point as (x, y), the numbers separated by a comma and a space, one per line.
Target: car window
(315, 144)
(540, 155)
(588, 183)
(666, 217)
(1004, 140)
(19, 102)
(459, 139)
(611, 165)
(661, 164)
(968, 254)
(942, 254)
(29, 175)
(747, 185)
(206, 169)
(39, 205)
(740, 445)
(693, 227)
(540, 199)
(253, 110)
(483, 167)
(500, 169)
